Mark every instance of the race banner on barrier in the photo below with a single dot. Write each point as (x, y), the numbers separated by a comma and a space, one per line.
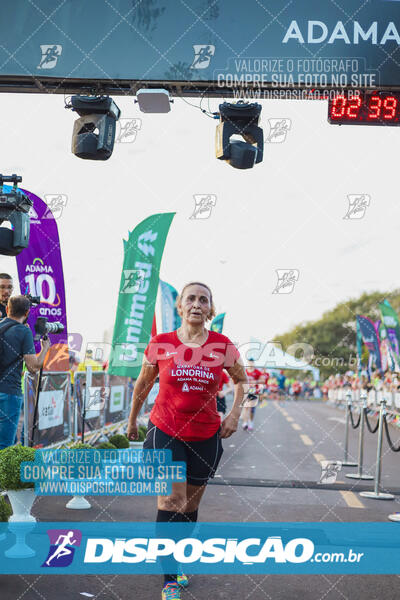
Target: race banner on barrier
(137, 294)
(40, 273)
(53, 411)
(170, 318)
(217, 323)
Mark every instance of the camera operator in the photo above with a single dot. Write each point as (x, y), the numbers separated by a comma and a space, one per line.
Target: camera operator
(17, 346)
(6, 288)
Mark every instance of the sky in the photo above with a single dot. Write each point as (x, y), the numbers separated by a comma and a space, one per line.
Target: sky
(285, 213)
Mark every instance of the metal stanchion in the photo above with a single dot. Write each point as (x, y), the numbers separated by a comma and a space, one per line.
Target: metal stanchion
(359, 474)
(346, 463)
(376, 493)
(86, 399)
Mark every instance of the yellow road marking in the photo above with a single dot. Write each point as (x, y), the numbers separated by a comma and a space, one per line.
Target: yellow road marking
(290, 419)
(319, 457)
(296, 427)
(306, 440)
(351, 499)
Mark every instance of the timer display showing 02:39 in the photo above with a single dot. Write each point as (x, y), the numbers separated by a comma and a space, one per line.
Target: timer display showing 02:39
(367, 108)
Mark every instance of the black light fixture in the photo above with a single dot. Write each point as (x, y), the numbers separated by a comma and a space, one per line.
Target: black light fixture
(94, 132)
(242, 119)
(14, 208)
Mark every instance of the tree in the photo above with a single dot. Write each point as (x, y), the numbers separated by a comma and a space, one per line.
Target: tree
(333, 336)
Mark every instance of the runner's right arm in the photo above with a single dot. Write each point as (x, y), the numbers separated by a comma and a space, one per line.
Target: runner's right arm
(143, 385)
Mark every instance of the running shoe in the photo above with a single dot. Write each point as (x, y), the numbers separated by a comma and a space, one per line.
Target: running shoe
(171, 591)
(244, 426)
(250, 427)
(182, 580)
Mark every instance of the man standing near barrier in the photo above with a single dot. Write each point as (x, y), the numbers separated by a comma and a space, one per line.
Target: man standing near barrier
(184, 418)
(16, 347)
(6, 288)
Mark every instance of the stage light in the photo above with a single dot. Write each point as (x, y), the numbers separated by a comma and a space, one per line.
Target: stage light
(14, 208)
(94, 132)
(153, 101)
(239, 118)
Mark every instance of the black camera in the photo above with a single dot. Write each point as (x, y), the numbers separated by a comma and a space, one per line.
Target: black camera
(14, 207)
(240, 119)
(43, 327)
(34, 300)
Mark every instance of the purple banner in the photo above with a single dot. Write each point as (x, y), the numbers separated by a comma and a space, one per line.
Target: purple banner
(370, 337)
(40, 273)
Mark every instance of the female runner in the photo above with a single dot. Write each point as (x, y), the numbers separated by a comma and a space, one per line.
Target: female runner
(184, 418)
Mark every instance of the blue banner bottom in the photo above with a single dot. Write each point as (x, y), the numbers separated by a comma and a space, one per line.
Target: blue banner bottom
(209, 548)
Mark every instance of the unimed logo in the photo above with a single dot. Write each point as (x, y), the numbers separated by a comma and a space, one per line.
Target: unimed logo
(190, 550)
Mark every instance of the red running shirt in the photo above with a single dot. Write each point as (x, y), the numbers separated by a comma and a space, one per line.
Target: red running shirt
(186, 406)
(254, 375)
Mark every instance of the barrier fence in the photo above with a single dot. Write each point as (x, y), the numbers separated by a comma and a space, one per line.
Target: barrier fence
(374, 397)
(365, 403)
(64, 412)
(53, 418)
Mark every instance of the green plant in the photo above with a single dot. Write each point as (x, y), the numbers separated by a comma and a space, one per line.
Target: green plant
(10, 462)
(142, 432)
(106, 446)
(119, 440)
(80, 446)
(5, 510)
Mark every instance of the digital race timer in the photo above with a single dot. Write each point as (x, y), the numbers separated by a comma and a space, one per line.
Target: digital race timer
(367, 108)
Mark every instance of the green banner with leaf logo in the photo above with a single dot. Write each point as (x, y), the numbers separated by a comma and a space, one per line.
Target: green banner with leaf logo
(137, 294)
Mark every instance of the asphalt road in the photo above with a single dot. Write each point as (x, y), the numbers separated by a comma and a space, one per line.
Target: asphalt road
(288, 443)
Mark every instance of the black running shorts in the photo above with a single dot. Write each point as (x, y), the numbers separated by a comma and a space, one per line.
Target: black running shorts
(201, 458)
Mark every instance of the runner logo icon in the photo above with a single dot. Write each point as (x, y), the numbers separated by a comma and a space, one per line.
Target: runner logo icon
(278, 130)
(62, 547)
(203, 205)
(50, 55)
(55, 205)
(202, 55)
(330, 470)
(133, 279)
(185, 387)
(127, 130)
(358, 204)
(286, 281)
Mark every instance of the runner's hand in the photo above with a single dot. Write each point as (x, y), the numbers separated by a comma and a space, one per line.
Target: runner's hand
(132, 432)
(228, 426)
